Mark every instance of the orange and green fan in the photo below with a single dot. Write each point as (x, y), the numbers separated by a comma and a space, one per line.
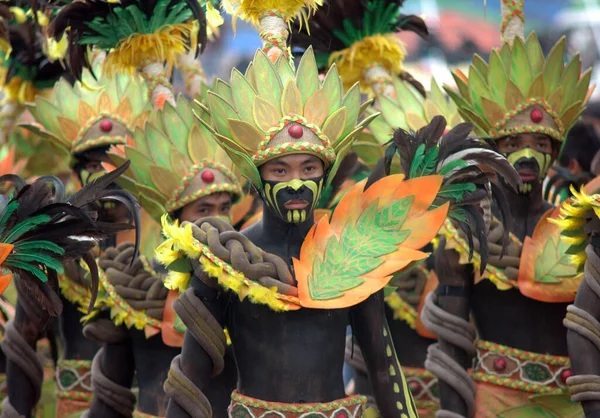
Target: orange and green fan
(175, 161)
(275, 109)
(361, 38)
(91, 113)
(373, 232)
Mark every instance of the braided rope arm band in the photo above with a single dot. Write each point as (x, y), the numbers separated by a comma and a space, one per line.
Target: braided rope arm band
(458, 332)
(117, 397)
(205, 329)
(586, 387)
(23, 356)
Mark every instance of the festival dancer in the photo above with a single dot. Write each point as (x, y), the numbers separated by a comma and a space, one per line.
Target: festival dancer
(579, 224)
(41, 230)
(526, 104)
(84, 120)
(288, 132)
(177, 168)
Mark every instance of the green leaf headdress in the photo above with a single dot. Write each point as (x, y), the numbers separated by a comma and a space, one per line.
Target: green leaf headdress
(175, 161)
(519, 90)
(274, 110)
(91, 113)
(410, 111)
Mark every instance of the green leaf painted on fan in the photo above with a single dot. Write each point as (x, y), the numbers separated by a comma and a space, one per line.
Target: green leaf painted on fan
(553, 262)
(377, 232)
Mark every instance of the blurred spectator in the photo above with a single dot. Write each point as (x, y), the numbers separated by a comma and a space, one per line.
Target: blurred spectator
(574, 164)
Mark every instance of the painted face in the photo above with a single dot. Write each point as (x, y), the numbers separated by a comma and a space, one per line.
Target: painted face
(531, 156)
(292, 186)
(216, 204)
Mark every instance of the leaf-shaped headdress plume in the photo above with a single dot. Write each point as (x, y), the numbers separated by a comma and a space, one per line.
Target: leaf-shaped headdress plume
(520, 91)
(272, 18)
(360, 36)
(410, 111)
(273, 110)
(175, 161)
(91, 114)
(138, 35)
(39, 230)
(460, 159)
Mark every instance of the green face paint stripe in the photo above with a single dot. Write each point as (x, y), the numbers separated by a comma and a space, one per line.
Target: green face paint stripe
(271, 199)
(317, 195)
(543, 159)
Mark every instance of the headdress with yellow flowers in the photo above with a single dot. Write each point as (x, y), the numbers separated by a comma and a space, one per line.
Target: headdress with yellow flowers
(138, 35)
(27, 67)
(175, 161)
(361, 38)
(520, 91)
(274, 110)
(91, 113)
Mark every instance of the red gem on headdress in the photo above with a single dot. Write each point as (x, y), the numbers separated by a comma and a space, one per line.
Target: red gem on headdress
(566, 374)
(499, 364)
(296, 131)
(106, 125)
(207, 176)
(536, 115)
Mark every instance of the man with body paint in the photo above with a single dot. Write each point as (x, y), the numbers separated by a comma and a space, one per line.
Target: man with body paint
(519, 301)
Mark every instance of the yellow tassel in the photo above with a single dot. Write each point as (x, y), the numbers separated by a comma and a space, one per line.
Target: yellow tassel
(574, 240)
(19, 14)
(42, 19)
(213, 20)
(385, 50)
(251, 10)
(568, 224)
(177, 281)
(56, 50)
(163, 46)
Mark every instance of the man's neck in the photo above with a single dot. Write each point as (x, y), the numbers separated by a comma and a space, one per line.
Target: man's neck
(279, 237)
(526, 209)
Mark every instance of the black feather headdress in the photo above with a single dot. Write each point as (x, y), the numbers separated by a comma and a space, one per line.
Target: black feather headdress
(39, 230)
(462, 160)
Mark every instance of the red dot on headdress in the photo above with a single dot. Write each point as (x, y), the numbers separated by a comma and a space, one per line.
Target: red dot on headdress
(106, 125)
(207, 176)
(536, 115)
(296, 131)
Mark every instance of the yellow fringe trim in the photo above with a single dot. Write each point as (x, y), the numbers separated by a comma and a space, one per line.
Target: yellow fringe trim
(385, 50)
(251, 10)
(162, 46)
(213, 21)
(19, 91)
(74, 292)
(402, 310)
(573, 217)
(181, 243)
